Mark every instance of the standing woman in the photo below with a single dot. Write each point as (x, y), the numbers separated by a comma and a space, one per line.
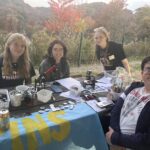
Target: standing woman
(56, 57)
(15, 65)
(110, 54)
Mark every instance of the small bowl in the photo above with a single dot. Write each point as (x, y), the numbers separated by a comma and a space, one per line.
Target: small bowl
(22, 88)
(44, 95)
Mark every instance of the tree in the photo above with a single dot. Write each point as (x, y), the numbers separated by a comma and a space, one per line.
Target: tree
(116, 18)
(142, 16)
(65, 19)
(39, 45)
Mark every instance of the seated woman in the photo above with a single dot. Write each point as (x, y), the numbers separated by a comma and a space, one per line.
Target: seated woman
(15, 65)
(56, 58)
(130, 118)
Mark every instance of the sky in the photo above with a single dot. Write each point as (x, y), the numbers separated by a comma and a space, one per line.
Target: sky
(132, 4)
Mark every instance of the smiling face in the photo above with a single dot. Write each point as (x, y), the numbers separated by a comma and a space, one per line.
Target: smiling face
(17, 48)
(146, 74)
(57, 52)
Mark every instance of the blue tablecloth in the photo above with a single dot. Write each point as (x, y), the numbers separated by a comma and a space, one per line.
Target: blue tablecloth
(75, 129)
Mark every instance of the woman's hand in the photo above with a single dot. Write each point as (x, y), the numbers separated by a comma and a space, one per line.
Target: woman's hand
(108, 135)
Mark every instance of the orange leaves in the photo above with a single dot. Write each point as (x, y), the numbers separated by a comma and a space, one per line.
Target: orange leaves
(64, 14)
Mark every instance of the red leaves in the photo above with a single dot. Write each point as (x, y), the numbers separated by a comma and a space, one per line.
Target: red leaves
(64, 14)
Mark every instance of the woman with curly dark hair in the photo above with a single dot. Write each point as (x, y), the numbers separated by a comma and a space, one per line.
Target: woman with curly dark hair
(56, 56)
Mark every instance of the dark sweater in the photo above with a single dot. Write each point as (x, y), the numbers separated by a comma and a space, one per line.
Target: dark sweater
(141, 139)
(62, 69)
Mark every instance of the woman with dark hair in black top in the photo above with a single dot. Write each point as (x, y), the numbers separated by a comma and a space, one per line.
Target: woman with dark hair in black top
(110, 54)
(56, 56)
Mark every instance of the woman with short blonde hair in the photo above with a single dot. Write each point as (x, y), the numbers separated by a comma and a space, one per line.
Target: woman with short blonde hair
(110, 54)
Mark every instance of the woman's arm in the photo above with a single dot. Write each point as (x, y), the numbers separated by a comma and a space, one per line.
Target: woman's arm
(63, 68)
(44, 66)
(32, 73)
(139, 141)
(67, 72)
(126, 66)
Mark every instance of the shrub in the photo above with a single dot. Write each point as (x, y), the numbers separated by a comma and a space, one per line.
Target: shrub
(138, 48)
(39, 45)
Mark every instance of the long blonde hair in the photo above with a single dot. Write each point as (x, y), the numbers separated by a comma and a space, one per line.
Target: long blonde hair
(23, 61)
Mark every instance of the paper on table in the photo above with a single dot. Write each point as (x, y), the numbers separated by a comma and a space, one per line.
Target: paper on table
(104, 83)
(69, 95)
(105, 80)
(98, 89)
(104, 102)
(68, 82)
(104, 86)
(93, 104)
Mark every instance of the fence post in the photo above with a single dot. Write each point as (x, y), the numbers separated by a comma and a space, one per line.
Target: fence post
(79, 50)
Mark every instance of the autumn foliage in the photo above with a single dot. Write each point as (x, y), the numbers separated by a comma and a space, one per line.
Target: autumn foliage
(64, 15)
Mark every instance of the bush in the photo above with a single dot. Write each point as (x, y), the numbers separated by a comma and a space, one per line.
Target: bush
(87, 54)
(39, 45)
(138, 48)
(88, 51)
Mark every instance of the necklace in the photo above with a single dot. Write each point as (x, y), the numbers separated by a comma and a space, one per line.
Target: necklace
(14, 69)
(14, 66)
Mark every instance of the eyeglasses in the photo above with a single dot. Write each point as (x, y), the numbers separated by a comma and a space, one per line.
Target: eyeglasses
(146, 70)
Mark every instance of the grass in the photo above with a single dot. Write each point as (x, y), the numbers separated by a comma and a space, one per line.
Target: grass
(97, 68)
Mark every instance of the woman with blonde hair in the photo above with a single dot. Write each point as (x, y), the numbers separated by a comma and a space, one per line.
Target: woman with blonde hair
(15, 65)
(111, 54)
